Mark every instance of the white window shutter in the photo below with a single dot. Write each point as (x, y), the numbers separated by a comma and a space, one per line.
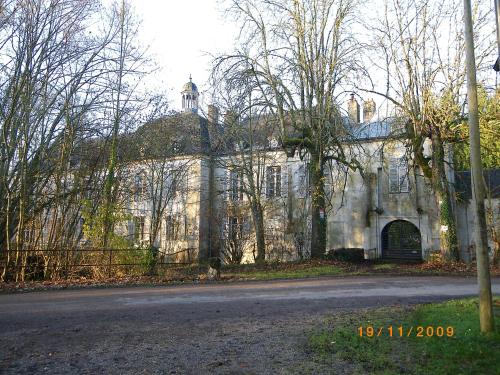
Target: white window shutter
(393, 176)
(284, 180)
(403, 175)
(227, 183)
(302, 181)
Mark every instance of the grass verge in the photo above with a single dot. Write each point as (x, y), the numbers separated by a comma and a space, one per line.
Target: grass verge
(467, 351)
(299, 273)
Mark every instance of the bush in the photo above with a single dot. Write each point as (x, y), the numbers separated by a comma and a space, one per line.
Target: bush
(353, 255)
(151, 260)
(35, 267)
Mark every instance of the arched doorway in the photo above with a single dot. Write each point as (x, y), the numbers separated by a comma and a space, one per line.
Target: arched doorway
(401, 240)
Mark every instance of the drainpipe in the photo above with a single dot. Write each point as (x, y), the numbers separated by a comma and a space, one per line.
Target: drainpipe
(416, 175)
(379, 211)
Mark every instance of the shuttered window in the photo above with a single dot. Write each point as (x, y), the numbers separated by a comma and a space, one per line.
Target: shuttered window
(139, 228)
(172, 226)
(273, 182)
(398, 176)
(140, 187)
(236, 186)
(303, 186)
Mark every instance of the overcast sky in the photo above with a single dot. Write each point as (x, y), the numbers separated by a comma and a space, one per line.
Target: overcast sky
(180, 34)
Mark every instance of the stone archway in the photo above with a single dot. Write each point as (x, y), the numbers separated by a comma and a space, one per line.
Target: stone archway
(401, 240)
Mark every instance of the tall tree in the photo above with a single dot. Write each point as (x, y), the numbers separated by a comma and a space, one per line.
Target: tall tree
(244, 144)
(489, 123)
(127, 69)
(49, 61)
(418, 47)
(478, 191)
(297, 55)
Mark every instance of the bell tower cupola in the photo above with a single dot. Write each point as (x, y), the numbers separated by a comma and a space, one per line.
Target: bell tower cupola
(190, 97)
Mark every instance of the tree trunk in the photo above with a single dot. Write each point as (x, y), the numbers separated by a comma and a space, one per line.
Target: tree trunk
(486, 316)
(441, 186)
(318, 213)
(258, 222)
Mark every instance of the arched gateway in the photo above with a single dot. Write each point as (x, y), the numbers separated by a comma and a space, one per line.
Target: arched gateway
(401, 241)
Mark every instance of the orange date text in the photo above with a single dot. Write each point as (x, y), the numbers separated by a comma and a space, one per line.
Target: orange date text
(405, 331)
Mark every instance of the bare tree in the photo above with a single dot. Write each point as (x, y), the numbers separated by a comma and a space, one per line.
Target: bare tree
(166, 168)
(58, 94)
(419, 50)
(48, 64)
(127, 69)
(486, 317)
(297, 55)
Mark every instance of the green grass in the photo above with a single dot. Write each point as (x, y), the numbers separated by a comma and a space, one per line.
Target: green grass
(323, 270)
(384, 266)
(466, 352)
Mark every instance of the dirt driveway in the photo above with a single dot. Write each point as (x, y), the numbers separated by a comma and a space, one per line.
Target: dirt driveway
(241, 328)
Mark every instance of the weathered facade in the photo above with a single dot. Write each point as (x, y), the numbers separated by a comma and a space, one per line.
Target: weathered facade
(389, 211)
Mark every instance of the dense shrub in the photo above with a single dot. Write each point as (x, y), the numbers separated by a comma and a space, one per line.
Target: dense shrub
(353, 255)
(35, 266)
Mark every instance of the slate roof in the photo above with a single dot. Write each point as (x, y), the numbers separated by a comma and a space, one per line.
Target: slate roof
(373, 130)
(176, 134)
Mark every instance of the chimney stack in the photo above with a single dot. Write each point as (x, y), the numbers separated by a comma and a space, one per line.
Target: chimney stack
(369, 109)
(213, 115)
(230, 118)
(353, 109)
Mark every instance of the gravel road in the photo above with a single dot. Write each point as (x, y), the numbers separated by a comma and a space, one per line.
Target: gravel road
(240, 328)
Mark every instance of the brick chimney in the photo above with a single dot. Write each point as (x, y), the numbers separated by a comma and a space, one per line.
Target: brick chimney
(353, 109)
(214, 126)
(230, 118)
(213, 115)
(369, 109)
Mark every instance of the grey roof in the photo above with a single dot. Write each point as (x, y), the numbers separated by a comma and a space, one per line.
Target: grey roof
(372, 130)
(377, 129)
(175, 134)
(463, 183)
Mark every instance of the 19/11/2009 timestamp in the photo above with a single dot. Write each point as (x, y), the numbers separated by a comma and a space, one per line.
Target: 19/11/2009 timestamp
(401, 331)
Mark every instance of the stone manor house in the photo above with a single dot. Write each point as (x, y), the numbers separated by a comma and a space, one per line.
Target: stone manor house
(389, 213)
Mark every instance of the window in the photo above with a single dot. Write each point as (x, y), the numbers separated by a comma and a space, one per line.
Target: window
(398, 175)
(172, 228)
(304, 187)
(236, 186)
(177, 182)
(139, 228)
(235, 228)
(140, 187)
(273, 179)
(173, 181)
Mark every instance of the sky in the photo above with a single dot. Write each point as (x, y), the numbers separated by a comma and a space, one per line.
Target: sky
(180, 36)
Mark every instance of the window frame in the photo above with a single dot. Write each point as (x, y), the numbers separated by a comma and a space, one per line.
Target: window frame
(139, 223)
(172, 228)
(235, 186)
(273, 181)
(140, 187)
(398, 169)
